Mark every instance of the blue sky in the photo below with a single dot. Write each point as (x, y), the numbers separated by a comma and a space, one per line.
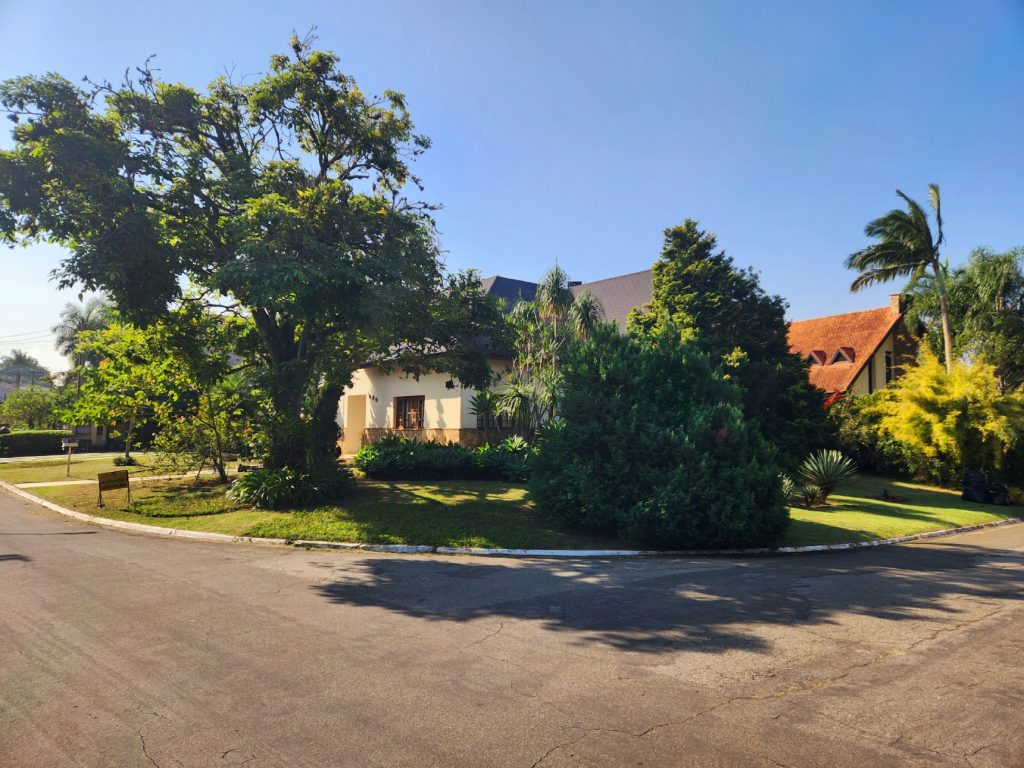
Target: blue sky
(578, 131)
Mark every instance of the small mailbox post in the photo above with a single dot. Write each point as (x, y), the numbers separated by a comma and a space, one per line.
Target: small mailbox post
(112, 481)
(69, 444)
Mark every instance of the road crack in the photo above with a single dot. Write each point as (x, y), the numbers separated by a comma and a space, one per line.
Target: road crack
(554, 749)
(487, 637)
(146, 751)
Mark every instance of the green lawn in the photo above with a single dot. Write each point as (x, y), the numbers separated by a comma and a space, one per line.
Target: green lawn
(493, 514)
(83, 467)
(859, 513)
(450, 514)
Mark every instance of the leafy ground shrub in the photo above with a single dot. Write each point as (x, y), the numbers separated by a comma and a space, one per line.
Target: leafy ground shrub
(826, 471)
(651, 445)
(277, 488)
(125, 461)
(861, 437)
(932, 425)
(395, 457)
(35, 442)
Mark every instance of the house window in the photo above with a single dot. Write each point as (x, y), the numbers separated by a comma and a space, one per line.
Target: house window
(888, 367)
(871, 376)
(490, 421)
(409, 412)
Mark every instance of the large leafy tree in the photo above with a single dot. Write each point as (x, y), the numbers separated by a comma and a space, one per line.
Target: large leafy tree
(31, 408)
(282, 200)
(907, 247)
(697, 287)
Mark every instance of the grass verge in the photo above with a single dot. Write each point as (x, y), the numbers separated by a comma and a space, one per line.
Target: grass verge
(83, 467)
(861, 512)
(495, 514)
(448, 514)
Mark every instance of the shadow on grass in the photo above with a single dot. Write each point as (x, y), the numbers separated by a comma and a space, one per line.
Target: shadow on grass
(660, 606)
(201, 499)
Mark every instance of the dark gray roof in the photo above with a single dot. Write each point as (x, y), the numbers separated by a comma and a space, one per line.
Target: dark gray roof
(509, 289)
(618, 295)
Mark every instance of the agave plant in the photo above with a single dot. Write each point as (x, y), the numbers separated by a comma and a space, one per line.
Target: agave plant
(827, 470)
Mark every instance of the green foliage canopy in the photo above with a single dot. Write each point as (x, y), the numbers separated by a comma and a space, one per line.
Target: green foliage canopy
(697, 287)
(961, 419)
(31, 408)
(986, 306)
(282, 200)
(651, 444)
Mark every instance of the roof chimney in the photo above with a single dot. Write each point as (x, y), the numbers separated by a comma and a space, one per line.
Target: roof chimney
(896, 303)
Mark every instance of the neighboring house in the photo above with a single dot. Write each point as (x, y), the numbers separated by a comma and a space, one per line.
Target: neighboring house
(857, 352)
(436, 407)
(89, 436)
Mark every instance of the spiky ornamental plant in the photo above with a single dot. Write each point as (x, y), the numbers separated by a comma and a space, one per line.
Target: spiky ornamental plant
(907, 247)
(827, 470)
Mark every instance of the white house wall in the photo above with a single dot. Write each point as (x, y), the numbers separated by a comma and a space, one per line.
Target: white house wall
(442, 407)
(448, 413)
(877, 364)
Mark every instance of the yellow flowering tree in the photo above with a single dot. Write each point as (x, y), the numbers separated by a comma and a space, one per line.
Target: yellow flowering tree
(959, 418)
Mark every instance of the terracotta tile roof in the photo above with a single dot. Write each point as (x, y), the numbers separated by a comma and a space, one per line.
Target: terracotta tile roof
(857, 334)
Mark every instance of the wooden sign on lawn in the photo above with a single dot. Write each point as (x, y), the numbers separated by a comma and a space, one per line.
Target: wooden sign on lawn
(112, 481)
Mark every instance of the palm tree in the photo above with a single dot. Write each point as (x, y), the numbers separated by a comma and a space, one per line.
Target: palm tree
(75, 319)
(554, 298)
(17, 365)
(585, 315)
(906, 247)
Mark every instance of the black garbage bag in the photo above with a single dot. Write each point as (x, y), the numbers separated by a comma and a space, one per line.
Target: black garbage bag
(976, 487)
(999, 494)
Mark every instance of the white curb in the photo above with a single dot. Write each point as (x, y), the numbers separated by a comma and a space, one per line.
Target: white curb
(409, 549)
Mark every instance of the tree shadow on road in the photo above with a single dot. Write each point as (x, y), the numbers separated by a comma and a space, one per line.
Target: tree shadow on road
(659, 605)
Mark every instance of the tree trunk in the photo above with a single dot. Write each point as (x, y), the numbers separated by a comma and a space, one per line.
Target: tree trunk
(947, 330)
(218, 443)
(128, 440)
(325, 431)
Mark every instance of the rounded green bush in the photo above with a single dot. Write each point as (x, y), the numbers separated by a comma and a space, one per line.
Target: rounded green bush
(651, 446)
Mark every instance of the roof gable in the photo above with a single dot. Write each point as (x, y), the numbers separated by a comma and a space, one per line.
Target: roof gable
(849, 341)
(619, 295)
(509, 289)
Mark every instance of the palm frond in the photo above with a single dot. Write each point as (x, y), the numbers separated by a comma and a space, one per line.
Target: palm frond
(936, 203)
(585, 314)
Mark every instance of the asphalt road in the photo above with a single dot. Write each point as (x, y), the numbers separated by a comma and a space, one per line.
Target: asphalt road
(123, 650)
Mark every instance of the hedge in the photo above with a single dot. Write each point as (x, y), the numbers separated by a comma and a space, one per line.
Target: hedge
(33, 442)
(395, 457)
